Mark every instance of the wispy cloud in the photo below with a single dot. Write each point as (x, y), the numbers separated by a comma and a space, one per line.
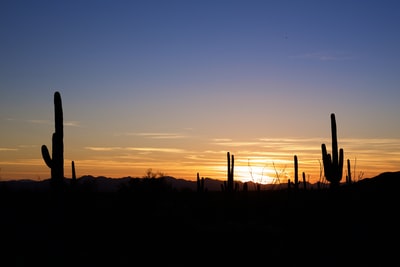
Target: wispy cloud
(18, 148)
(48, 122)
(157, 149)
(8, 149)
(27, 146)
(39, 121)
(23, 162)
(230, 142)
(72, 123)
(218, 140)
(141, 149)
(156, 135)
(102, 148)
(325, 56)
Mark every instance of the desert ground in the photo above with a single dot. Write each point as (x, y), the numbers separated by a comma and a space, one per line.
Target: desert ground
(354, 225)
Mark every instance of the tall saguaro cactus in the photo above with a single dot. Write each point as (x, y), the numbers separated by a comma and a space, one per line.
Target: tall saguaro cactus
(333, 164)
(230, 183)
(200, 183)
(56, 161)
(296, 173)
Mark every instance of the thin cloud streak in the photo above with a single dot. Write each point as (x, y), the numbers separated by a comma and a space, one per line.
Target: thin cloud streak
(102, 148)
(40, 122)
(218, 140)
(27, 146)
(155, 135)
(8, 149)
(48, 122)
(23, 162)
(72, 123)
(143, 149)
(325, 56)
(236, 144)
(155, 149)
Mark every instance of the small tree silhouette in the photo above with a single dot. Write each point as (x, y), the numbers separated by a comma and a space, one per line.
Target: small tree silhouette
(151, 174)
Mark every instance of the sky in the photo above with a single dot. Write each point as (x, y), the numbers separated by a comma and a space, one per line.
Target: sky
(172, 86)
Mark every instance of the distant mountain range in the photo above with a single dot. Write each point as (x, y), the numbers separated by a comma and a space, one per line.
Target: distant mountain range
(106, 184)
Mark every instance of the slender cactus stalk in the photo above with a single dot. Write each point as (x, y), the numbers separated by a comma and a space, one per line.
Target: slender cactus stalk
(296, 173)
(73, 171)
(230, 184)
(74, 182)
(200, 183)
(348, 177)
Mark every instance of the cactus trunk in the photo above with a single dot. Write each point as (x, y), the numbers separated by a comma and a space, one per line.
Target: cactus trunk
(296, 173)
(230, 182)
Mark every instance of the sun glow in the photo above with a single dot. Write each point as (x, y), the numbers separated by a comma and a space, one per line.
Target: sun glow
(255, 174)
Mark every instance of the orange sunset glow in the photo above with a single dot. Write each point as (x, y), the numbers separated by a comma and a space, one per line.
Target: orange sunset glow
(264, 160)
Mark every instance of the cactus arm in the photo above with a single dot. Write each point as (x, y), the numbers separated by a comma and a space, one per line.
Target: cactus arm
(326, 159)
(46, 156)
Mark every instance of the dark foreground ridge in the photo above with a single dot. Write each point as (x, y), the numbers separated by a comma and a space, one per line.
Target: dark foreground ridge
(353, 225)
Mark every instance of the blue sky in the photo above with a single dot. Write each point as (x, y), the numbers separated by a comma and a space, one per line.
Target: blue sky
(174, 85)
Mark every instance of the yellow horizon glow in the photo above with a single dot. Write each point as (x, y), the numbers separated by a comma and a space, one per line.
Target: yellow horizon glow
(259, 161)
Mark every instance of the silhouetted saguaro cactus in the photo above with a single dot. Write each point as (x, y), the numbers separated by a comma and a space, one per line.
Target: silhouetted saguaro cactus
(333, 165)
(73, 171)
(200, 183)
(230, 183)
(56, 161)
(296, 173)
(348, 177)
(74, 182)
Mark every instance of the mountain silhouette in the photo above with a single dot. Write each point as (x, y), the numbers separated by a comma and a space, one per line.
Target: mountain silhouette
(384, 180)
